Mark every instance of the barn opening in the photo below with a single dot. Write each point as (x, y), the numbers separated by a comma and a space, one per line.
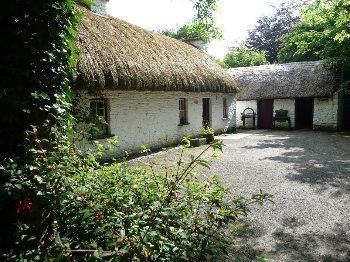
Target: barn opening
(304, 113)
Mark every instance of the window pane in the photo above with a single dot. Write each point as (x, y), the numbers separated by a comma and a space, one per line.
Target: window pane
(182, 111)
(101, 112)
(182, 104)
(100, 104)
(98, 108)
(224, 103)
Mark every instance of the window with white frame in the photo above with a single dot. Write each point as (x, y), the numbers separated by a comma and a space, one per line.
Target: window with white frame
(183, 111)
(98, 113)
(224, 108)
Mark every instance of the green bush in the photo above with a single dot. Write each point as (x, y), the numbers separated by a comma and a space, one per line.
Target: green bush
(118, 213)
(207, 130)
(244, 56)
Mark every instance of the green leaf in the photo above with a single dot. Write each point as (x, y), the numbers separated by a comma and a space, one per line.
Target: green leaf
(203, 162)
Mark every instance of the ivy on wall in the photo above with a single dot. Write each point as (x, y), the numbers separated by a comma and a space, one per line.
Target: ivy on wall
(37, 60)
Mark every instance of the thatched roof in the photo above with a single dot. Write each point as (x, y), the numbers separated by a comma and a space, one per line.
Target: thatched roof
(117, 55)
(292, 80)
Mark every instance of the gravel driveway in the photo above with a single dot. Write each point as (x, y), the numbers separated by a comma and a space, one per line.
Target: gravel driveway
(309, 175)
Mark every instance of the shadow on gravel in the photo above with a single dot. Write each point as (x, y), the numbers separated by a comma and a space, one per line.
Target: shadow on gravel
(244, 244)
(319, 158)
(289, 246)
(333, 247)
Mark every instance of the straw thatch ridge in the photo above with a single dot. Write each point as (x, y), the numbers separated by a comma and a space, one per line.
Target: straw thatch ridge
(117, 55)
(292, 80)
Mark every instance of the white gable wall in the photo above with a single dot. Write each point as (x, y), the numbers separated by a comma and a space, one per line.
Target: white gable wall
(147, 117)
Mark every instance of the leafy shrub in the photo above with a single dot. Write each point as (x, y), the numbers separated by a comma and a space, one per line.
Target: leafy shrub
(244, 56)
(207, 130)
(113, 212)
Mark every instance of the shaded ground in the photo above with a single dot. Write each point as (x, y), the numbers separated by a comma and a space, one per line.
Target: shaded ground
(309, 175)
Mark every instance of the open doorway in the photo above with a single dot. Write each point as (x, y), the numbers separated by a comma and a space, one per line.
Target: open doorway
(206, 121)
(304, 108)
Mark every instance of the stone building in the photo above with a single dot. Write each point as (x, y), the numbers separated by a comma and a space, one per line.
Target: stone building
(308, 90)
(148, 87)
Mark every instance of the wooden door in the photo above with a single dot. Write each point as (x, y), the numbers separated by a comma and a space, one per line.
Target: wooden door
(304, 108)
(265, 114)
(206, 112)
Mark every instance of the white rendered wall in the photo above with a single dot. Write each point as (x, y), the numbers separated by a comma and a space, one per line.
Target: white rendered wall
(326, 113)
(147, 117)
(240, 106)
(286, 104)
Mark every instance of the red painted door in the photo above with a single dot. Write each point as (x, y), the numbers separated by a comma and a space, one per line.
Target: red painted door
(265, 114)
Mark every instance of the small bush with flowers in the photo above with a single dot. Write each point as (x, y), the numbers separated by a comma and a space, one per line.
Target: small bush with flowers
(121, 214)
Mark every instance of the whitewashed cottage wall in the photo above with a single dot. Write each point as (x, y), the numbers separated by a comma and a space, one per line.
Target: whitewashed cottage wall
(286, 104)
(148, 117)
(241, 105)
(326, 113)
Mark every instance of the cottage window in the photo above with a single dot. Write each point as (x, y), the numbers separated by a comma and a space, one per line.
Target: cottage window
(183, 111)
(98, 113)
(224, 108)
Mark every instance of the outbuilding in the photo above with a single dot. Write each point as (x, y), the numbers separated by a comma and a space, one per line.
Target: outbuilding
(307, 90)
(149, 88)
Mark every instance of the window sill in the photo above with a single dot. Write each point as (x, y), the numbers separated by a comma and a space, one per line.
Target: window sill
(224, 118)
(184, 124)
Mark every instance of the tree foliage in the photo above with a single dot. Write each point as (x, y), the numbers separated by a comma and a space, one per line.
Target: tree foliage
(244, 56)
(266, 34)
(37, 61)
(202, 25)
(322, 33)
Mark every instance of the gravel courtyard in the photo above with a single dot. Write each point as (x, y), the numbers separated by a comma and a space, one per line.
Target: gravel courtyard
(309, 175)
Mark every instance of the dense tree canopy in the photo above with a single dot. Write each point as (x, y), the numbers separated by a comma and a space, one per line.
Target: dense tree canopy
(194, 30)
(244, 56)
(266, 34)
(322, 33)
(202, 26)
